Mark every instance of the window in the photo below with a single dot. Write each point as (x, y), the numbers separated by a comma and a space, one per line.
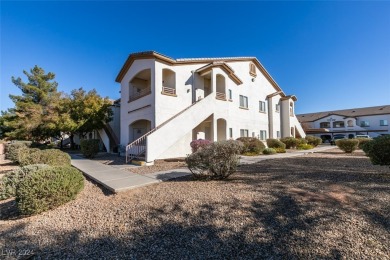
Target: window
(263, 134)
(325, 125)
(277, 134)
(230, 132)
(262, 106)
(364, 123)
(277, 107)
(383, 123)
(350, 123)
(230, 94)
(338, 124)
(252, 69)
(291, 109)
(244, 133)
(243, 101)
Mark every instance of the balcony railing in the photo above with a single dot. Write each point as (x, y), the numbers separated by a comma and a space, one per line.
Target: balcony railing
(168, 91)
(220, 96)
(140, 94)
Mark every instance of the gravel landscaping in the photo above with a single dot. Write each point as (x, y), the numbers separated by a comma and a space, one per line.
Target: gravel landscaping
(318, 206)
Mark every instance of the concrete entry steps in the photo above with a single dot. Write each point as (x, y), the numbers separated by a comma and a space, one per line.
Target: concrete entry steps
(116, 179)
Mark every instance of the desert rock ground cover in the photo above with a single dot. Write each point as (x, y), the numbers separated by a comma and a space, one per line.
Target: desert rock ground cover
(322, 205)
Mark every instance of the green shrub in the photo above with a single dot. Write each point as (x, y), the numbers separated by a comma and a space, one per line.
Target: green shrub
(10, 180)
(252, 146)
(363, 141)
(90, 147)
(313, 140)
(275, 143)
(378, 150)
(301, 141)
(53, 157)
(280, 150)
(13, 150)
(290, 142)
(216, 161)
(48, 188)
(347, 145)
(304, 147)
(269, 151)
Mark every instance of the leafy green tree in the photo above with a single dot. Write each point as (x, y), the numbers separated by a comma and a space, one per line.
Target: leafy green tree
(34, 114)
(88, 111)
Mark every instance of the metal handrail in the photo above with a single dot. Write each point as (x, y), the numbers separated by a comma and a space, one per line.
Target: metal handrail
(169, 91)
(220, 96)
(141, 93)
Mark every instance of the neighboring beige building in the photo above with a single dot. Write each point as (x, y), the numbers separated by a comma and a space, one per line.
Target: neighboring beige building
(372, 121)
(166, 103)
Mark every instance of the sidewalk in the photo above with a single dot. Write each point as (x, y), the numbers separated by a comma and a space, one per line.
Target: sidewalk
(116, 179)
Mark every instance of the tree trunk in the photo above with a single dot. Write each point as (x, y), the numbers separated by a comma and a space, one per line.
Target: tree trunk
(71, 138)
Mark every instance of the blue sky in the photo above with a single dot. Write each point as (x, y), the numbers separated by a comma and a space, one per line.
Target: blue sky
(331, 55)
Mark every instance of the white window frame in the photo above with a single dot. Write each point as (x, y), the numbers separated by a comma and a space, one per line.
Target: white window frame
(230, 94)
(383, 122)
(230, 132)
(244, 133)
(263, 135)
(243, 101)
(364, 123)
(262, 106)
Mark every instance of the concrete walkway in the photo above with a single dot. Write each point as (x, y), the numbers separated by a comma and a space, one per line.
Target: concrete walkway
(117, 179)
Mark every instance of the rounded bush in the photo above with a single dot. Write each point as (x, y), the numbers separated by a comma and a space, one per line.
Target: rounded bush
(275, 143)
(48, 188)
(378, 150)
(280, 150)
(198, 144)
(304, 147)
(363, 141)
(13, 150)
(215, 161)
(10, 181)
(53, 157)
(313, 140)
(252, 146)
(347, 145)
(89, 147)
(269, 151)
(290, 142)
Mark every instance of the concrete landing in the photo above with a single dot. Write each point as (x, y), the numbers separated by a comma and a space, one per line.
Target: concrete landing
(116, 179)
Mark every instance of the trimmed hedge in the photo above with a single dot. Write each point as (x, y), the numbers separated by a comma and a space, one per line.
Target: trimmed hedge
(53, 157)
(269, 151)
(378, 150)
(252, 146)
(13, 150)
(290, 142)
(280, 150)
(313, 140)
(347, 145)
(10, 181)
(363, 141)
(215, 161)
(275, 143)
(48, 188)
(89, 147)
(304, 147)
(198, 144)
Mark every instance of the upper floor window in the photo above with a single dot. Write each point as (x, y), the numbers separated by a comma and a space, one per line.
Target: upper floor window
(263, 134)
(252, 69)
(244, 133)
(338, 124)
(262, 106)
(277, 107)
(243, 101)
(364, 123)
(383, 123)
(230, 132)
(325, 125)
(230, 94)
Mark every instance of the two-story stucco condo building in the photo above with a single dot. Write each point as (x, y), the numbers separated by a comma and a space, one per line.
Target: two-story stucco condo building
(166, 103)
(348, 123)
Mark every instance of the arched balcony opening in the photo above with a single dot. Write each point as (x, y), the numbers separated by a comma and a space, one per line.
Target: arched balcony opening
(140, 85)
(168, 82)
(138, 128)
(350, 123)
(220, 87)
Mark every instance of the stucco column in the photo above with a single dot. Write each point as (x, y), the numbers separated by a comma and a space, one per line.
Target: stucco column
(213, 82)
(214, 128)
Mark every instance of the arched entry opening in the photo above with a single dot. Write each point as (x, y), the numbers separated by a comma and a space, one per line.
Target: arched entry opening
(138, 128)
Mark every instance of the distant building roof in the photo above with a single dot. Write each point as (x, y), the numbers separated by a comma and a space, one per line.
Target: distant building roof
(353, 112)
